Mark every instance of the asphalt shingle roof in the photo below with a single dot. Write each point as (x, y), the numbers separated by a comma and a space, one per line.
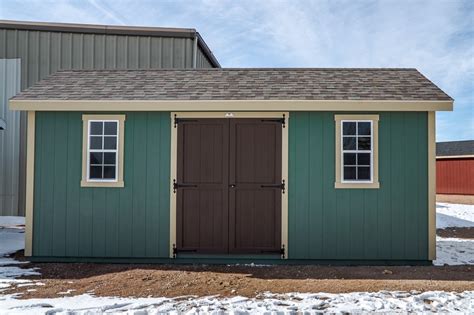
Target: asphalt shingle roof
(455, 148)
(236, 84)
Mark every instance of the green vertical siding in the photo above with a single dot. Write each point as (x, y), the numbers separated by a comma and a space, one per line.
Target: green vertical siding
(390, 223)
(70, 221)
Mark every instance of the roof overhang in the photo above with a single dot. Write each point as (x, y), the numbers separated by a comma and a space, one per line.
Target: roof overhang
(229, 105)
(3, 124)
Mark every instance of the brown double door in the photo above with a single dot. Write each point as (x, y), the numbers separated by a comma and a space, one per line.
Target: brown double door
(228, 186)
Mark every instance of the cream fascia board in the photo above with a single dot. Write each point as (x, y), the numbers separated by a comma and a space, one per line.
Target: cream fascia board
(230, 105)
(374, 184)
(120, 151)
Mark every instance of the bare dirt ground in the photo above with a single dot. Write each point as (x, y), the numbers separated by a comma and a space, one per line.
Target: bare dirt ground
(201, 280)
(459, 232)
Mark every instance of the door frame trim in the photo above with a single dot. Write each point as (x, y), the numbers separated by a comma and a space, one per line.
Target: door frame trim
(284, 165)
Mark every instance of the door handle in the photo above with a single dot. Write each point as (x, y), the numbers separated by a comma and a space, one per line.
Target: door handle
(232, 185)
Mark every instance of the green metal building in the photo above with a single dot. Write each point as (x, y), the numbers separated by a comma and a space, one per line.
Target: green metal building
(34, 50)
(232, 165)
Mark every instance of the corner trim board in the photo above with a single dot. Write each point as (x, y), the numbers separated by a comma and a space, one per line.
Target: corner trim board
(229, 105)
(30, 178)
(432, 185)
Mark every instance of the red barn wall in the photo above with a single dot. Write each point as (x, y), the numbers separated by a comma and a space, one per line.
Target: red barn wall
(455, 176)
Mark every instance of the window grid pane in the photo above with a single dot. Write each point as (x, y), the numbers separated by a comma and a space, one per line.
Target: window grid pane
(103, 143)
(356, 150)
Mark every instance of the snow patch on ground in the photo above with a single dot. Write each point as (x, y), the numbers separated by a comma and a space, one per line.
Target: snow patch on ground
(357, 302)
(454, 251)
(454, 215)
(11, 235)
(11, 222)
(450, 251)
(12, 239)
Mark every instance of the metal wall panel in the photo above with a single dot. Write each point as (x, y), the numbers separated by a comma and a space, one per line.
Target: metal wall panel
(202, 61)
(44, 52)
(9, 138)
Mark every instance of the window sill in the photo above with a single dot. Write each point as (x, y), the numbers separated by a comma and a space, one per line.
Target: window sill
(118, 184)
(339, 185)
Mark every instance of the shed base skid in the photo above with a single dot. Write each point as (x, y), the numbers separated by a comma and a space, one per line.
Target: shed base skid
(231, 261)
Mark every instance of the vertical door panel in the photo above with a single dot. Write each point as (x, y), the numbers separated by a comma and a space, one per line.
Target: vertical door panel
(202, 201)
(254, 211)
(222, 166)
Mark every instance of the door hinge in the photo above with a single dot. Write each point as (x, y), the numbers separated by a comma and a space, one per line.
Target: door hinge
(180, 120)
(282, 120)
(281, 186)
(176, 185)
(280, 251)
(176, 251)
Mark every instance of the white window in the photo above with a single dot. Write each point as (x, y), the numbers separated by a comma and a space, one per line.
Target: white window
(357, 151)
(357, 154)
(103, 151)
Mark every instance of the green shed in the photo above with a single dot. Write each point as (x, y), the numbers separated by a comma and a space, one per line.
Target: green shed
(232, 165)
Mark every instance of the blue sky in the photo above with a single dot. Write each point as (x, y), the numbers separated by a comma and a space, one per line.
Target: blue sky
(436, 36)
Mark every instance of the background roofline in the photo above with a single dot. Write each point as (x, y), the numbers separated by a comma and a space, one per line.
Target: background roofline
(113, 30)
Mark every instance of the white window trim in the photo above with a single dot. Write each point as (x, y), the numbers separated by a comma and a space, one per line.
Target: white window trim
(89, 150)
(371, 151)
(118, 181)
(339, 164)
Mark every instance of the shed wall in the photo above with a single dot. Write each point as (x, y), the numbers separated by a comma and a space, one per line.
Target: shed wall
(390, 223)
(455, 176)
(9, 138)
(358, 224)
(71, 221)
